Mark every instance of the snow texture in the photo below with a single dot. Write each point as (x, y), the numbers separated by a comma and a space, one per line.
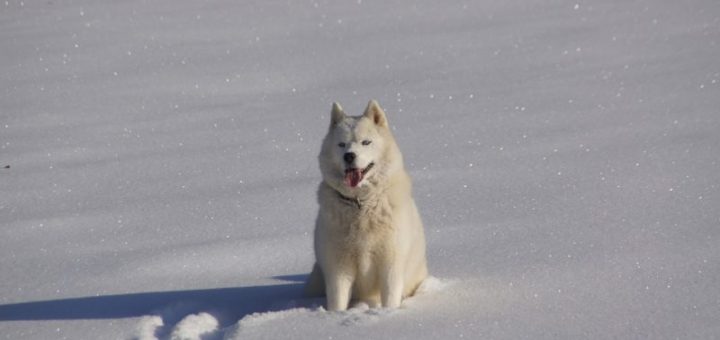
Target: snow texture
(194, 327)
(147, 326)
(158, 165)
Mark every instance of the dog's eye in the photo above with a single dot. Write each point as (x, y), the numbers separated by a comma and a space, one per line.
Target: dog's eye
(342, 145)
(366, 142)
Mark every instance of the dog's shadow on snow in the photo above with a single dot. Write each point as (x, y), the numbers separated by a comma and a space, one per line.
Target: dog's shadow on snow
(227, 304)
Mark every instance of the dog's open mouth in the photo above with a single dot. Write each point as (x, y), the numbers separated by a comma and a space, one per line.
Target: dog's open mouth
(353, 176)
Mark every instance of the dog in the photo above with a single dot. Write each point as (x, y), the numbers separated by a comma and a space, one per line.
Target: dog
(369, 241)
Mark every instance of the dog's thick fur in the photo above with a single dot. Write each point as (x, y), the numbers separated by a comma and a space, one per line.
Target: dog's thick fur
(369, 239)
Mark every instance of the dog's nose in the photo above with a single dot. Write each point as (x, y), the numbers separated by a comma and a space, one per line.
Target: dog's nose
(349, 157)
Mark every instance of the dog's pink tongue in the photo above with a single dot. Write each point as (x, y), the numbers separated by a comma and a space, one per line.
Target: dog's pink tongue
(353, 177)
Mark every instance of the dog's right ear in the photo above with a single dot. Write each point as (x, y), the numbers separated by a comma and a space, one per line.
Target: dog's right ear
(337, 115)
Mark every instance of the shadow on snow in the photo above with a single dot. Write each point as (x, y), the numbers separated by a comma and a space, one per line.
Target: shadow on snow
(227, 304)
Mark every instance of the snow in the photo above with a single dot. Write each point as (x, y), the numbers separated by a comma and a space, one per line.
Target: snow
(194, 326)
(147, 327)
(162, 165)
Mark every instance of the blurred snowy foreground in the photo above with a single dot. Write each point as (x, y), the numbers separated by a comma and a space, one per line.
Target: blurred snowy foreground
(163, 164)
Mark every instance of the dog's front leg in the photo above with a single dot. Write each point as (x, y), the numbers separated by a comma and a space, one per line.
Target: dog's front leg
(338, 289)
(392, 286)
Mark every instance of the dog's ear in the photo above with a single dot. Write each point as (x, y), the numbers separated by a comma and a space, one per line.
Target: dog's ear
(337, 114)
(375, 113)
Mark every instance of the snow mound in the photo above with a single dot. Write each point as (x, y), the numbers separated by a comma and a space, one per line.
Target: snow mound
(257, 319)
(431, 285)
(194, 327)
(147, 327)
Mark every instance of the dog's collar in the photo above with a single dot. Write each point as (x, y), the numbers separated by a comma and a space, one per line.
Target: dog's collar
(349, 200)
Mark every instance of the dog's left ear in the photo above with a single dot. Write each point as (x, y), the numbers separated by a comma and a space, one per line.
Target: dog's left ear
(337, 114)
(375, 113)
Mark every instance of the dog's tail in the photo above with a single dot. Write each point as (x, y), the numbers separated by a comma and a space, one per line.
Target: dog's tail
(315, 285)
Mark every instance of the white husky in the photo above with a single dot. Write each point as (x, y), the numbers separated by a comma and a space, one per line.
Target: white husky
(369, 239)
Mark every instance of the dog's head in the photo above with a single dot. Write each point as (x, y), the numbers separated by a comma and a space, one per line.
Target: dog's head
(357, 150)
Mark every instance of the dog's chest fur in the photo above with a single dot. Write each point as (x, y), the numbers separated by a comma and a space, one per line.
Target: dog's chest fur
(363, 232)
(364, 225)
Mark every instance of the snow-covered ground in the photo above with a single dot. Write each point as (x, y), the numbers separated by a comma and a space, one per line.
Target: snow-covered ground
(162, 165)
